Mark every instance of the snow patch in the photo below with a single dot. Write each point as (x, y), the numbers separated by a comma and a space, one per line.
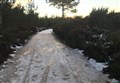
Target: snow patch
(12, 55)
(2, 70)
(14, 51)
(15, 47)
(80, 51)
(9, 61)
(114, 81)
(47, 31)
(26, 40)
(96, 65)
(3, 66)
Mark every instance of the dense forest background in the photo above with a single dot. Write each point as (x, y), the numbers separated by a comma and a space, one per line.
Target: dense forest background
(96, 34)
(17, 26)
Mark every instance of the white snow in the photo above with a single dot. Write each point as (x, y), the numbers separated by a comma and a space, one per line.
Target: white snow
(3, 66)
(80, 51)
(12, 55)
(14, 51)
(5, 62)
(47, 31)
(2, 70)
(16, 47)
(26, 40)
(9, 61)
(101, 36)
(21, 69)
(32, 64)
(114, 81)
(92, 62)
(96, 65)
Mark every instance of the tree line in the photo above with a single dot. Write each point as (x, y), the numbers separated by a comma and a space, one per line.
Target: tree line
(18, 23)
(97, 34)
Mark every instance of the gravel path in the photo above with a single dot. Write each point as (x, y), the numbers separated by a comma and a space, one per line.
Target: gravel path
(45, 60)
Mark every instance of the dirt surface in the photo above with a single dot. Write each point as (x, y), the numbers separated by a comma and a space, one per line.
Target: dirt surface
(45, 60)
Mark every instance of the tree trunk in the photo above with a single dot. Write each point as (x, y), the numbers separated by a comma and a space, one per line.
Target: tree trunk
(63, 9)
(0, 23)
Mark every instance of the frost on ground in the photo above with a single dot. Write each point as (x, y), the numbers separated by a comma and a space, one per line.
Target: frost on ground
(114, 81)
(98, 66)
(45, 60)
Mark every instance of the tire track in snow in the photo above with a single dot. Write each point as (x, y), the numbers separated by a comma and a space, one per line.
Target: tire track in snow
(48, 62)
(28, 69)
(46, 72)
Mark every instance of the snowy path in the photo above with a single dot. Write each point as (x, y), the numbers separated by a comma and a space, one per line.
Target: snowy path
(45, 60)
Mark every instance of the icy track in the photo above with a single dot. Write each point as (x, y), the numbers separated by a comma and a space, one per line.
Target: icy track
(45, 60)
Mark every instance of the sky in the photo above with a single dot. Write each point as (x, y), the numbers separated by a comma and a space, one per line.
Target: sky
(84, 8)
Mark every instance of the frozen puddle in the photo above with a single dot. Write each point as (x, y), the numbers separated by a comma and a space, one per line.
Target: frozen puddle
(45, 60)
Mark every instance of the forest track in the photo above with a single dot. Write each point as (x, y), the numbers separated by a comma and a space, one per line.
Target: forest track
(46, 60)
